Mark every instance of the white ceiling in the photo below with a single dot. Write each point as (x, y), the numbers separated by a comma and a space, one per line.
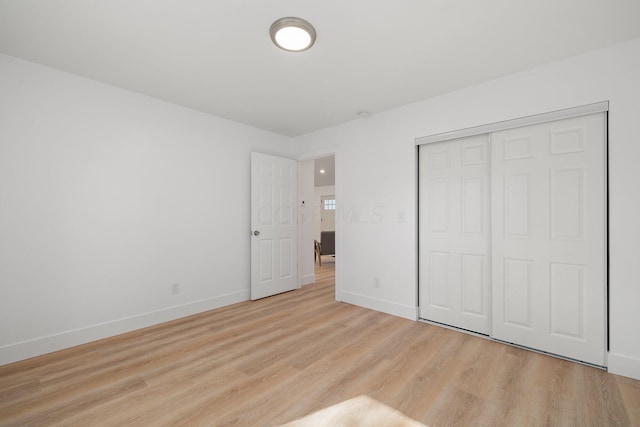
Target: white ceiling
(216, 55)
(328, 165)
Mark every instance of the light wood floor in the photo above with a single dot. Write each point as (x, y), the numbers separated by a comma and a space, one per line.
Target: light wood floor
(304, 359)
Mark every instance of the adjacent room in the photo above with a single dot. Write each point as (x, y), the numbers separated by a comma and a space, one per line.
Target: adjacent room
(319, 213)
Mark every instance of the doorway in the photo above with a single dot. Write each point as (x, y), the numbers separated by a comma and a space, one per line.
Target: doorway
(318, 178)
(324, 209)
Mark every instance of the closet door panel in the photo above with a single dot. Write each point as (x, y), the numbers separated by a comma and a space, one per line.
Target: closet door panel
(548, 239)
(455, 263)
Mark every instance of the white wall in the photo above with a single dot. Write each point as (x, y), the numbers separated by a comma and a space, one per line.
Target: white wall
(108, 197)
(377, 180)
(323, 190)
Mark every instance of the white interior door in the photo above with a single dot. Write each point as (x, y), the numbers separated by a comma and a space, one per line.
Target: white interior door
(328, 213)
(455, 237)
(549, 247)
(273, 225)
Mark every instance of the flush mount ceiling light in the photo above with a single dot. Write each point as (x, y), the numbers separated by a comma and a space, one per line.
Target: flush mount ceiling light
(292, 34)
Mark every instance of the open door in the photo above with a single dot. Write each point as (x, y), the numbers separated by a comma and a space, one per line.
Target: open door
(274, 254)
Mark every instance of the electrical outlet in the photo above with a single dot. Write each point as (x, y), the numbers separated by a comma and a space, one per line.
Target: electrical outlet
(175, 288)
(401, 216)
(376, 283)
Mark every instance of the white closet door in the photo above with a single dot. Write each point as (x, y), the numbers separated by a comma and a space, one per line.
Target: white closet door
(548, 246)
(455, 235)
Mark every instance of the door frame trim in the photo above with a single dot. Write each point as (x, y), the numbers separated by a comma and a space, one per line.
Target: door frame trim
(583, 110)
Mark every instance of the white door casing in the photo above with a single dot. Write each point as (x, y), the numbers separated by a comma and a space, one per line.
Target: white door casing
(549, 241)
(273, 225)
(455, 239)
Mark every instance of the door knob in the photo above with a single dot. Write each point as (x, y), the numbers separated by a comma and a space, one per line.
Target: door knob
(256, 233)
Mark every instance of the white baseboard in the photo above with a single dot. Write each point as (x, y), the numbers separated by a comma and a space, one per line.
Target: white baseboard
(624, 365)
(400, 310)
(308, 279)
(43, 345)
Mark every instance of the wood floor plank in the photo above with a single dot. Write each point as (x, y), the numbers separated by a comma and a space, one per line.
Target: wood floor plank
(630, 392)
(303, 359)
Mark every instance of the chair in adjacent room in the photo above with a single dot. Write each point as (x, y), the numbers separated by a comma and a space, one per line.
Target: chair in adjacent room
(326, 245)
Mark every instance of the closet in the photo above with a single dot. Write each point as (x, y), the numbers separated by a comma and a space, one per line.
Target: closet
(512, 234)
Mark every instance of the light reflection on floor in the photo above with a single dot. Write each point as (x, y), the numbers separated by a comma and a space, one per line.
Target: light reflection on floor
(361, 411)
